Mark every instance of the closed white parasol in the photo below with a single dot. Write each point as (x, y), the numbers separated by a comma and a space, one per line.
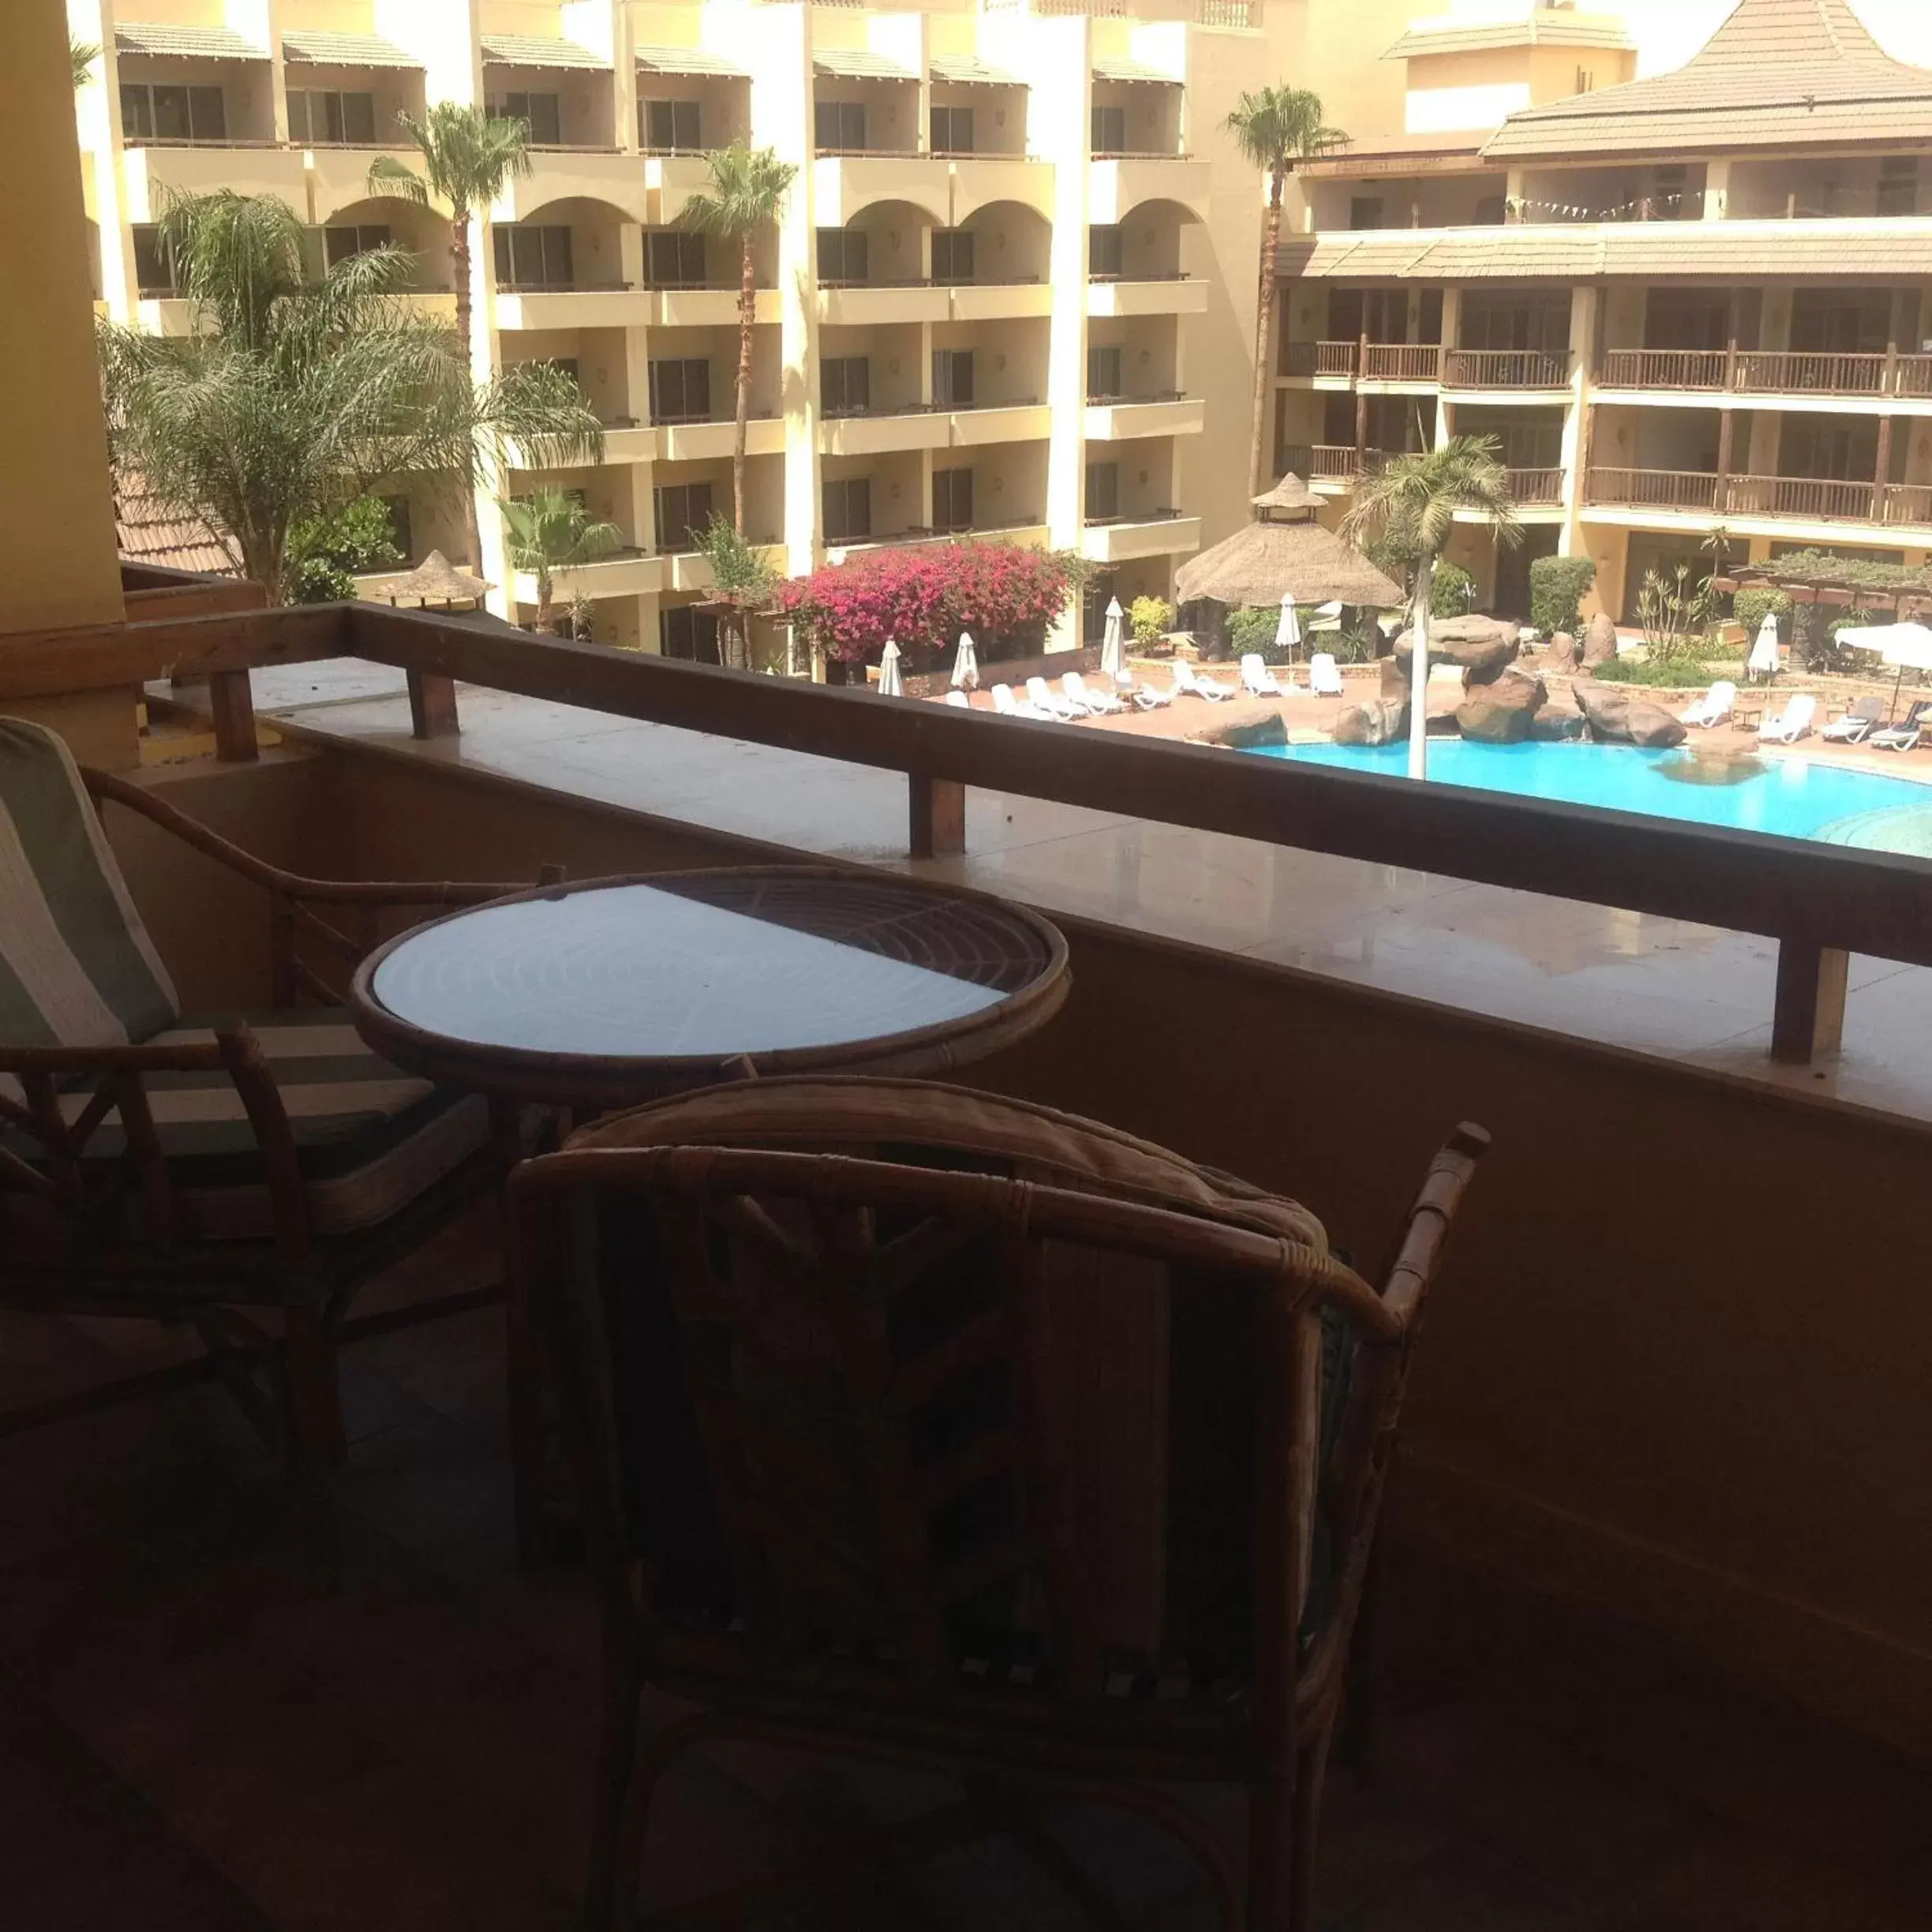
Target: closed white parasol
(1763, 662)
(1113, 647)
(966, 664)
(890, 684)
(1288, 632)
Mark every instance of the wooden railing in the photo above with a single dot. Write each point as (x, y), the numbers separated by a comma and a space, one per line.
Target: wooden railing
(1317, 358)
(1506, 369)
(1536, 487)
(1779, 372)
(1815, 499)
(1403, 362)
(1653, 489)
(1820, 902)
(1665, 368)
(1915, 375)
(1907, 504)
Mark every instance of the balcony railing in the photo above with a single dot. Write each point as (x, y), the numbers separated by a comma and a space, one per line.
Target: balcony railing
(1825, 499)
(1780, 373)
(1653, 490)
(1666, 368)
(1403, 362)
(1812, 499)
(1506, 369)
(1768, 372)
(1536, 488)
(1318, 358)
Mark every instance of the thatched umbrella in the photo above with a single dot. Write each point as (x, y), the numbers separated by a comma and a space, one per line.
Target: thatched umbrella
(1283, 552)
(436, 580)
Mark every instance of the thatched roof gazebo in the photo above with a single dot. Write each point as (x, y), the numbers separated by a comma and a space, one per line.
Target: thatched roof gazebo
(436, 581)
(1285, 550)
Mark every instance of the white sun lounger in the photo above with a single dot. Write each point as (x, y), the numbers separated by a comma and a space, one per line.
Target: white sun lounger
(1790, 724)
(1186, 684)
(1048, 702)
(1150, 699)
(1006, 705)
(1098, 703)
(1712, 708)
(959, 700)
(1324, 675)
(1257, 679)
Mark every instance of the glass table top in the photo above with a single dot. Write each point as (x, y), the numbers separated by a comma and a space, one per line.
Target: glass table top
(710, 966)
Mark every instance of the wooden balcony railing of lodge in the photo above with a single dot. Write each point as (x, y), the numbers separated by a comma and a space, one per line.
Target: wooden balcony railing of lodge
(1820, 903)
(1815, 499)
(1768, 372)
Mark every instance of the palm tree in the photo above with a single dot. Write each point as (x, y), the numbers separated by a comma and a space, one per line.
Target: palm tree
(297, 395)
(1273, 129)
(742, 583)
(748, 189)
(1411, 504)
(549, 530)
(470, 156)
(81, 54)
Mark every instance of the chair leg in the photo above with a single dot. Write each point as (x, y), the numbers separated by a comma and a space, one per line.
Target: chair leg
(623, 1683)
(1283, 1818)
(1311, 1776)
(529, 1435)
(315, 1443)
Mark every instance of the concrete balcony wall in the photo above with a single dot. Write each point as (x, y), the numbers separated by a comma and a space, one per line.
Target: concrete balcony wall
(1106, 299)
(1113, 422)
(844, 185)
(1119, 543)
(698, 442)
(151, 173)
(1115, 188)
(852, 308)
(974, 302)
(618, 180)
(984, 180)
(706, 307)
(338, 179)
(616, 576)
(863, 436)
(564, 308)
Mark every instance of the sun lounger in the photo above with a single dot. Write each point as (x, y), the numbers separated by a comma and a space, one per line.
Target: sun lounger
(1147, 698)
(1905, 734)
(1187, 685)
(1256, 678)
(1790, 724)
(1324, 675)
(1098, 702)
(1866, 715)
(1006, 705)
(1713, 707)
(959, 700)
(1049, 703)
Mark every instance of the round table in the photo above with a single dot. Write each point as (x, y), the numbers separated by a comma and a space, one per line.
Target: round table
(606, 993)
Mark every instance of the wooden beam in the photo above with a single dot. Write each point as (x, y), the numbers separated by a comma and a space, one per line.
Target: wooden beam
(1808, 1018)
(432, 705)
(232, 704)
(41, 663)
(939, 816)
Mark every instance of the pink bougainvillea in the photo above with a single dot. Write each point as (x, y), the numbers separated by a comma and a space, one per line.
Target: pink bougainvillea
(925, 595)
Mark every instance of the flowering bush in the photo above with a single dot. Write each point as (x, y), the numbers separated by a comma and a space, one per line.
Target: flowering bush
(924, 596)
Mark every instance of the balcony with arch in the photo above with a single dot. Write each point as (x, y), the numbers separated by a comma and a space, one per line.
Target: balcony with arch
(576, 263)
(1135, 265)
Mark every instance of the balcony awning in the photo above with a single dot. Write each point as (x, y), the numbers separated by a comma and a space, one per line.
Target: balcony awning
(687, 61)
(1553, 30)
(854, 64)
(969, 70)
(344, 50)
(1107, 67)
(538, 50)
(186, 43)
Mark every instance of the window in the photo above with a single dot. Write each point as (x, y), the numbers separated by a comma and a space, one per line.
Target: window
(399, 529)
(680, 390)
(952, 255)
(1104, 370)
(849, 510)
(1366, 212)
(1898, 185)
(953, 499)
(1103, 251)
(839, 126)
(952, 130)
(533, 258)
(1102, 491)
(154, 273)
(684, 631)
(1585, 81)
(844, 385)
(674, 258)
(1109, 130)
(172, 113)
(318, 118)
(1490, 211)
(842, 255)
(541, 112)
(953, 377)
(681, 511)
(341, 242)
(669, 126)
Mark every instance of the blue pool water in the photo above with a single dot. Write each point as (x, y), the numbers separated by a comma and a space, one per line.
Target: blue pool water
(1791, 796)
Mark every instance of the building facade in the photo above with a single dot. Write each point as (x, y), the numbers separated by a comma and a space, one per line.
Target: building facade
(1011, 292)
(1692, 303)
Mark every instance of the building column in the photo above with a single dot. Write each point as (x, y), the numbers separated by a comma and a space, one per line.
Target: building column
(1717, 189)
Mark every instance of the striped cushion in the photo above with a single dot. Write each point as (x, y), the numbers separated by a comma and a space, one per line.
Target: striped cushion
(77, 966)
(369, 1137)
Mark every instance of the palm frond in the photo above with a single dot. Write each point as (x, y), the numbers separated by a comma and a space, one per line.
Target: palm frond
(747, 192)
(470, 155)
(81, 55)
(1414, 499)
(392, 178)
(1275, 126)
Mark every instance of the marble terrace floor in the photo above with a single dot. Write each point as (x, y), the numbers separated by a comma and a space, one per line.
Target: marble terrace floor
(191, 1741)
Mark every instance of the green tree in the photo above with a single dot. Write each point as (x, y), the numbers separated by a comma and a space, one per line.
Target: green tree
(469, 157)
(1275, 128)
(296, 394)
(81, 55)
(326, 554)
(746, 197)
(548, 531)
(1410, 503)
(743, 582)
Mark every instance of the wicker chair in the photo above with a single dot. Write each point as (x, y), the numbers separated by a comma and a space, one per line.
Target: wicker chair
(243, 1175)
(917, 1423)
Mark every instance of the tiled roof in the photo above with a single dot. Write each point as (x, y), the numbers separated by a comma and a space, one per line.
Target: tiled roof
(687, 61)
(1554, 251)
(1107, 67)
(186, 43)
(344, 50)
(1778, 73)
(1536, 30)
(968, 69)
(537, 50)
(855, 64)
(150, 532)
(1379, 154)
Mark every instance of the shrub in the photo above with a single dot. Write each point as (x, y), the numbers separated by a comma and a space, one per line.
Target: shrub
(1453, 594)
(1151, 619)
(1356, 643)
(1557, 587)
(1751, 607)
(1674, 673)
(327, 554)
(924, 597)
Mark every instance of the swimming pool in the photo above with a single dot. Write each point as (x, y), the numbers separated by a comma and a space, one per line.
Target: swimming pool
(1793, 797)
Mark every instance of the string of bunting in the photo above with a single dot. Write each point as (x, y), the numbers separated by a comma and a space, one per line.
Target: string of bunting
(1522, 204)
